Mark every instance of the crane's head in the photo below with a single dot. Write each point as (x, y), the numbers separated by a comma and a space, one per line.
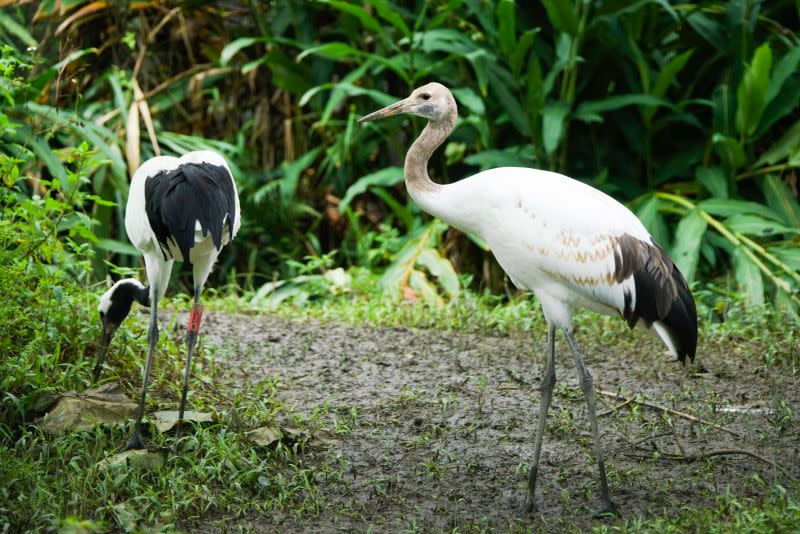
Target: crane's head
(114, 307)
(432, 101)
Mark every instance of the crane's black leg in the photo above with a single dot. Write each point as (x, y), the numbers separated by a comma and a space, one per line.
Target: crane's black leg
(152, 340)
(548, 383)
(587, 386)
(192, 330)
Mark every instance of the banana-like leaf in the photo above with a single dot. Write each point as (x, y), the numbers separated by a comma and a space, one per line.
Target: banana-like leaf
(419, 251)
(441, 268)
(748, 277)
(729, 150)
(688, 236)
(781, 200)
(751, 94)
(554, 116)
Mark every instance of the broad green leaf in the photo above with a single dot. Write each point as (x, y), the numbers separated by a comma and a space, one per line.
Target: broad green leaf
(553, 118)
(520, 51)
(788, 255)
(592, 110)
(441, 268)
(784, 104)
(506, 26)
(784, 68)
(686, 249)
(389, 13)
(714, 180)
(757, 226)
(665, 78)
(729, 150)
(787, 148)
(385, 177)
(232, 48)
(470, 100)
(751, 95)
(562, 15)
(648, 213)
(748, 277)
(781, 200)
(478, 59)
(331, 50)
(726, 207)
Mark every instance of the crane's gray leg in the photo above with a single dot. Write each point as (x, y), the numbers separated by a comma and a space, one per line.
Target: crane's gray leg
(548, 383)
(152, 340)
(587, 386)
(192, 330)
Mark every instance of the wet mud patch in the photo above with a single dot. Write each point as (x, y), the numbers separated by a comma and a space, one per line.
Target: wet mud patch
(435, 429)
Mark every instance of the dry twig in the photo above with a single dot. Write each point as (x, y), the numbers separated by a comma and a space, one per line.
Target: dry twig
(723, 452)
(670, 411)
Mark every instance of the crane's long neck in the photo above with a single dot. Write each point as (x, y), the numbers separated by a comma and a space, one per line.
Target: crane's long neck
(418, 182)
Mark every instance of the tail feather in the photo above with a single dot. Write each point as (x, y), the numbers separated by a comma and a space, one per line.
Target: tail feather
(662, 296)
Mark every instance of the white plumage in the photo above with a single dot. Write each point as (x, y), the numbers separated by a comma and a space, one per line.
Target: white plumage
(184, 209)
(570, 244)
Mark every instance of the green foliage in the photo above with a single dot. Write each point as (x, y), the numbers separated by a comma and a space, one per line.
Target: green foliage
(46, 240)
(696, 100)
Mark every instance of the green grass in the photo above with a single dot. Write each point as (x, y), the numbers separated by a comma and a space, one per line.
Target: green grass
(48, 481)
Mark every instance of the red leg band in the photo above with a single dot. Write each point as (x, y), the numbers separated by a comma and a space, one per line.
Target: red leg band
(195, 316)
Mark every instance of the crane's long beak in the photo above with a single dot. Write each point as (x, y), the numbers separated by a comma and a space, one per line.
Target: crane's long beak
(106, 336)
(403, 106)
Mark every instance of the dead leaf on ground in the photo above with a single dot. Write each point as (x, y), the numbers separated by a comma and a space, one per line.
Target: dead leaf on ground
(106, 404)
(166, 420)
(145, 460)
(266, 436)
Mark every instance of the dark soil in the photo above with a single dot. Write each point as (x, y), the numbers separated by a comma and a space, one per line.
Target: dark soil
(441, 425)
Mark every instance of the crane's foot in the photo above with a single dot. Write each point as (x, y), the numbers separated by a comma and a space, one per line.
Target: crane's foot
(608, 511)
(527, 508)
(135, 443)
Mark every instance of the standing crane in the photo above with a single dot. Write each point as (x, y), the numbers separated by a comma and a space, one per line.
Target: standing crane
(570, 244)
(183, 209)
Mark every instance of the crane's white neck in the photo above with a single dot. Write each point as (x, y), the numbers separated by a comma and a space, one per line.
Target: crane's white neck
(422, 189)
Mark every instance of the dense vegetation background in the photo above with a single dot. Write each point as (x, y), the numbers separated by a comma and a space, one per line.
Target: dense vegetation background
(687, 112)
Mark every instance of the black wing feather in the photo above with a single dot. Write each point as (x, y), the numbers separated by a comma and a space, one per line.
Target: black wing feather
(662, 293)
(194, 192)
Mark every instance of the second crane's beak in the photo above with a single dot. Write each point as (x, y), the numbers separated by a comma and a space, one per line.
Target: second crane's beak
(109, 328)
(404, 106)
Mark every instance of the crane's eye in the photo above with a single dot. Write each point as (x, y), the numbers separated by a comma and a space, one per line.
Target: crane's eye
(426, 96)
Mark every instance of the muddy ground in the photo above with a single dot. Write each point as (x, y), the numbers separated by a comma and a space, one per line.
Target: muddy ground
(441, 425)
